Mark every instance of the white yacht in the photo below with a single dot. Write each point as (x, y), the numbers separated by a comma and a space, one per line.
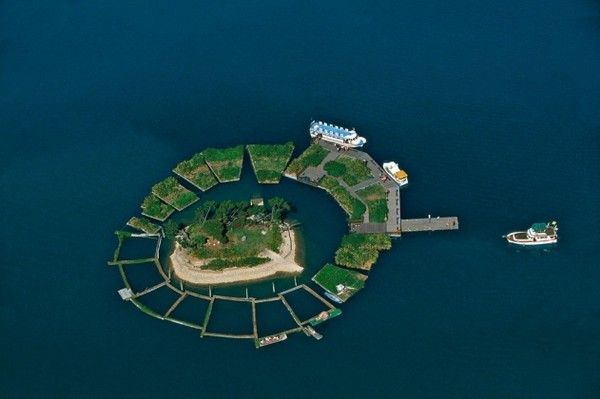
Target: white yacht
(537, 234)
(399, 175)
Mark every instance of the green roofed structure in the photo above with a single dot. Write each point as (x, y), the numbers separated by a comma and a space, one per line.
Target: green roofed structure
(342, 283)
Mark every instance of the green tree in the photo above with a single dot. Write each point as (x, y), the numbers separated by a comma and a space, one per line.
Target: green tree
(215, 229)
(279, 207)
(171, 229)
(203, 211)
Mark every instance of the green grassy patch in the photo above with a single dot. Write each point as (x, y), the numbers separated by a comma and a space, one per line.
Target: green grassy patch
(312, 156)
(360, 251)
(196, 171)
(376, 198)
(170, 191)
(154, 208)
(353, 207)
(330, 277)
(220, 264)
(351, 170)
(226, 163)
(144, 225)
(269, 160)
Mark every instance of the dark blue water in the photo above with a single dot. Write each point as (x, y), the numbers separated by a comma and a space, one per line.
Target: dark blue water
(492, 107)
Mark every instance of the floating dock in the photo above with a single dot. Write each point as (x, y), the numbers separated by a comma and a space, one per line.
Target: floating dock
(429, 224)
(394, 224)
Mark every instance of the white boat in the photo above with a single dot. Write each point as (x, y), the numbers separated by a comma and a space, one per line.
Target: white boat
(333, 297)
(394, 171)
(336, 134)
(537, 234)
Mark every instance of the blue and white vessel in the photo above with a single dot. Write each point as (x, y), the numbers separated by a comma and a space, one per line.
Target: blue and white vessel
(336, 134)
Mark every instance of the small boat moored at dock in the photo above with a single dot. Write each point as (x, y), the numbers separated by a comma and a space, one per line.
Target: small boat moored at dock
(333, 297)
(397, 174)
(537, 234)
(336, 134)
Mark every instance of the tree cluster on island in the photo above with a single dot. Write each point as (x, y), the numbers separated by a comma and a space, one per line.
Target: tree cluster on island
(232, 233)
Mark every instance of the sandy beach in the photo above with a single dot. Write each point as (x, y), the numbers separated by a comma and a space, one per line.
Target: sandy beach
(190, 269)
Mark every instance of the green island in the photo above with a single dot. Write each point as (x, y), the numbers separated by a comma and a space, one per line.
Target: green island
(241, 240)
(312, 156)
(196, 172)
(225, 163)
(154, 208)
(170, 191)
(340, 281)
(376, 198)
(269, 160)
(144, 225)
(238, 243)
(360, 251)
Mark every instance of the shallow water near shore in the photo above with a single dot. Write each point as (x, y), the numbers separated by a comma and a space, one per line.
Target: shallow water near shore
(491, 108)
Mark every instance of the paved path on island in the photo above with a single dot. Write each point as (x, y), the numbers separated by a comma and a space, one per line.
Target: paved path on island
(314, 173)
(394, 224)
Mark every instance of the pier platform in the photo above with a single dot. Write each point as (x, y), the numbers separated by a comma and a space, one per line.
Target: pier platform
(429, 224)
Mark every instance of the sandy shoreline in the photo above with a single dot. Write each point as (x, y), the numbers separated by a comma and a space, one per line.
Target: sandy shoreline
(189, 269)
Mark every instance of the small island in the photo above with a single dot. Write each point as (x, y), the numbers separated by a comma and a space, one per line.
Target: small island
(231, 242)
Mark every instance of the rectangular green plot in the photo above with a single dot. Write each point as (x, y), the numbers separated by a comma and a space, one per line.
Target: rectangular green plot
(170, 191)
(154, 208)
(350, 170)
(269, 160)
(225, 163)
(360, 251)
(376, 198)
(144, 225)
(312, 156)
(353, 206)
(196, 171)
(340, 282)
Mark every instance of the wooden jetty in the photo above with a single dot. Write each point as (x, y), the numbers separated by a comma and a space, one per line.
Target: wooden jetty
(429, 224)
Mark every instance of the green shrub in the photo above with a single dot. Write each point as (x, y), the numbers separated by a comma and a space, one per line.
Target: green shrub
(312, 156)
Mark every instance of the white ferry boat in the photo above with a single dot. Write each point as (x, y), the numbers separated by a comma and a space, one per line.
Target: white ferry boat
(399, 175)
(336, 134)
(537, 234)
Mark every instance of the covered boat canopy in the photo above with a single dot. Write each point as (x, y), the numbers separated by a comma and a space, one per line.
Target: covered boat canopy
(539, 227)
(332, 130)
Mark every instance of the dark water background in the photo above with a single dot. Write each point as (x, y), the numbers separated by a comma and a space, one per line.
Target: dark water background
(492, 107)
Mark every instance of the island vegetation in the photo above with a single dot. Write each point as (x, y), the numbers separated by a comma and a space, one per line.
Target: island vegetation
(360, 251)
(376, 198)
(170, 191)
(225, 163)
(352, 171)
(144, 225)
(234, 234)
(353, 206)
(312, 156)
(339, 281)
(196, 172)
(154, 208)
(269, 160)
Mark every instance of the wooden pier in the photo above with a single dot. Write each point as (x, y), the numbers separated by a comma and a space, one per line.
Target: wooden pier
(429, 224)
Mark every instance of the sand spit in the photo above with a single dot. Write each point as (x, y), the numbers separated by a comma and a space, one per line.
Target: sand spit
(189, 269)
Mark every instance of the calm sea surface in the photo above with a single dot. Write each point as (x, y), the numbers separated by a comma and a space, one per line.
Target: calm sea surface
(492, 107)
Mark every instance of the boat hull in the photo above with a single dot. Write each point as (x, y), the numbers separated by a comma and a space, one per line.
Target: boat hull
(338, 141)
(334, 298)
(401, 183)
(521, 238)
